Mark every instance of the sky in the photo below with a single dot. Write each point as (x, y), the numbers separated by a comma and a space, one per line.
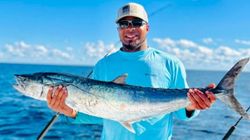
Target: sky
(203, 34)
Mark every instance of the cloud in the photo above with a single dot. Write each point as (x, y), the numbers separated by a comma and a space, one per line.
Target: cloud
(182, 46)
(172, 43)
(243, 42)
(98, 49)
(95, 51)
(192, 54)
(227, 51)
(42, 49)
(19, 49)
(23, 52)
(32, 53)
(186, 43)
(61, 54)
(165, 42)
(208, 40)
(196, 56)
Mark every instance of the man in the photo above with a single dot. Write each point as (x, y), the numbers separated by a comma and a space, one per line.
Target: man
(146, 67)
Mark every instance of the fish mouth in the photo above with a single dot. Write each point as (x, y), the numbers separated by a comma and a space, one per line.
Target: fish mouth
(20, 85)
(17, 87)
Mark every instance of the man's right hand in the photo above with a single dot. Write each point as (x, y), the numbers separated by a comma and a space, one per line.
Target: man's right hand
(56, 101)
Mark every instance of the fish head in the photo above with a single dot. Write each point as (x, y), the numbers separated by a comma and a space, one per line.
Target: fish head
(30, 85)
(36, 85)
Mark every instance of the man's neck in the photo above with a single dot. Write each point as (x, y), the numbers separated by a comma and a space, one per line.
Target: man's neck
(140, 48)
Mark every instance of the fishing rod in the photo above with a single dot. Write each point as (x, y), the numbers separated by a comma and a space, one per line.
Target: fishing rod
(55, 117)
(230, 131)
(47, 127)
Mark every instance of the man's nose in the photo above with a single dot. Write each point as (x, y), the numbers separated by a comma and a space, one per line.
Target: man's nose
(130, 26)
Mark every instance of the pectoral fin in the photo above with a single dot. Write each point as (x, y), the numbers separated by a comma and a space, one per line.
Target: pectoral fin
(128, 126)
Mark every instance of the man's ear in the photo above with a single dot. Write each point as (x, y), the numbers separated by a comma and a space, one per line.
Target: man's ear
(147, 27)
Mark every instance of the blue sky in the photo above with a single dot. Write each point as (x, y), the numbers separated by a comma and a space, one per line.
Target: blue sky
(204, 34)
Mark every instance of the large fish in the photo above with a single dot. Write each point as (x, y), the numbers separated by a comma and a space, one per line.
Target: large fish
(120, 102)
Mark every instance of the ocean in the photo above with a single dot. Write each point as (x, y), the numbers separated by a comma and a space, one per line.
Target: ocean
(24, 118)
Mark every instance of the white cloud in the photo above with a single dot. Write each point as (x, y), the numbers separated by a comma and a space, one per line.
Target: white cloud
(18, 49)
(245, 52)
(208, 40)
(204, 50)
(196, 56)
(42, 49)
(39, 51)
(23, 52)
(30, 53)
(165, 42)
(95, 51)
(243, 42)
(227, 51)
(192, 54)
(168, 42)
(61, 54)
(186, 43)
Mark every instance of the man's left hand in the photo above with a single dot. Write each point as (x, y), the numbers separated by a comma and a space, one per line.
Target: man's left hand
(200, 100)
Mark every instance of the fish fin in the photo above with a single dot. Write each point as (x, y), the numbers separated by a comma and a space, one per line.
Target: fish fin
(232, 102)
(128, 126)
(121, 79)
(227, 85)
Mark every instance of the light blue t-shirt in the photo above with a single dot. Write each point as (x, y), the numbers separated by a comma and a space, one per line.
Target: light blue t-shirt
(147, 68)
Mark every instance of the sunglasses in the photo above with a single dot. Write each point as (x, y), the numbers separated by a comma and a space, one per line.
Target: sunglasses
(136, 23)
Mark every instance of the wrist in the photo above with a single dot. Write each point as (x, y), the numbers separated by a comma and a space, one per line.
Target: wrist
(70, 113)
(190, 108)
(73, 113)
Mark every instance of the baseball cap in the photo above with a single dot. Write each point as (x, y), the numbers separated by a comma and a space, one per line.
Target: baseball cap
(132, 9)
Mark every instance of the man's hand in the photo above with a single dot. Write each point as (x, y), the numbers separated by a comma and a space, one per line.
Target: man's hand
(200, 100)
(56, 101)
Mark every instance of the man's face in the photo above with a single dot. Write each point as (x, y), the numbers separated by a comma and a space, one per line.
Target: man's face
(132, 32)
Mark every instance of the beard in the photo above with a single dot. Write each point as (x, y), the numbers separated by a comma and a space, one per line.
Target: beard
(133, 45)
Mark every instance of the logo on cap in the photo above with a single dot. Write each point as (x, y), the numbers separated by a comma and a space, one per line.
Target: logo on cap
(125, 9)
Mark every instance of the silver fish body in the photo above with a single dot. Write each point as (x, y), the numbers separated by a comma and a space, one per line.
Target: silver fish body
(120, 102)
(109, 100)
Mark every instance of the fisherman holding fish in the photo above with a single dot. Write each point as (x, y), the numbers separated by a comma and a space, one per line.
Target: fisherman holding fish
(146, 67)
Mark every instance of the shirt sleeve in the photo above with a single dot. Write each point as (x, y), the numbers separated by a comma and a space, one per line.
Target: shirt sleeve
(82, 118)
(85, 118)
(179, 81)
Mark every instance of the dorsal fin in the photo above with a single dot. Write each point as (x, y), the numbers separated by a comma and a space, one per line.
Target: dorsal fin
(121, 79)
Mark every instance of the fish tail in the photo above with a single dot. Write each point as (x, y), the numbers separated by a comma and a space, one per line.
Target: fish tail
(227, 84)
